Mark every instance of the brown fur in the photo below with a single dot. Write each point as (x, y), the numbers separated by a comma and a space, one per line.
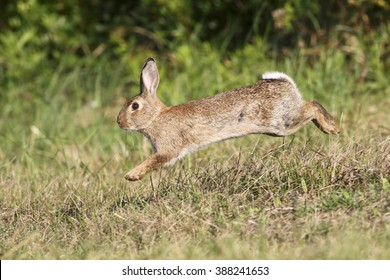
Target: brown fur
(272, 106)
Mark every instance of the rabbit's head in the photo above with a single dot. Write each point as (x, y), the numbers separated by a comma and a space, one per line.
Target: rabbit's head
(138, 112)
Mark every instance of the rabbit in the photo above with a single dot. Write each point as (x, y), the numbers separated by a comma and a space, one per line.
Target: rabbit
(272, 106)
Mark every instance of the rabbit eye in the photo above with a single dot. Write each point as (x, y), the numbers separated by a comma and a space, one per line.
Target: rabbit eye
(134, 106)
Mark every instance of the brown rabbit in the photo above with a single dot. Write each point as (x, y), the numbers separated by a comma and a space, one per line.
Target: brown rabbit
(272, 106)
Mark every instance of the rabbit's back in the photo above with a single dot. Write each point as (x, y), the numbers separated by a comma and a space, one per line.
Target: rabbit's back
(257, 102)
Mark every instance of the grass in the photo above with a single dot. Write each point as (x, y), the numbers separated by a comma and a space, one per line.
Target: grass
(308, 196)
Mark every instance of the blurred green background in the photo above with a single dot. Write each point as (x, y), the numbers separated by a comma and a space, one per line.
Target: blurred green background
(38, 35)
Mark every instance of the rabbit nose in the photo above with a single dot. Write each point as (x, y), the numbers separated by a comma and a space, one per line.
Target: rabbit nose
(118, 121)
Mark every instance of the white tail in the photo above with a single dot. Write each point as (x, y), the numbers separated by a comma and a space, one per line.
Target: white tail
(278, 76)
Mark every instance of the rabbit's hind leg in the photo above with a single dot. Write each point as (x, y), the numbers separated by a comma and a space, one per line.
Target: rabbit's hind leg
(314, 111)
(323, 120)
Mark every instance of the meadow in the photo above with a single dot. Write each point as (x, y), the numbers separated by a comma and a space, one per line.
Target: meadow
(306, 196)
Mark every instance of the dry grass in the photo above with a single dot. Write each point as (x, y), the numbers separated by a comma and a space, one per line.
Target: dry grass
(303, 198)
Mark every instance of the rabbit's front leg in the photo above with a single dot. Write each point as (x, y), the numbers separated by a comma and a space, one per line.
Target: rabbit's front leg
(151, 163)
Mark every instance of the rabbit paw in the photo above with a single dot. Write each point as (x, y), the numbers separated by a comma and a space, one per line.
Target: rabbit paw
(133, 175)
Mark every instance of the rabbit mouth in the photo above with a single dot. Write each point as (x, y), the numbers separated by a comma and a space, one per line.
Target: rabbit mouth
(123, 125)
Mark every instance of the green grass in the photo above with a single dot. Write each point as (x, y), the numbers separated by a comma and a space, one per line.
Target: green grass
(308, 196)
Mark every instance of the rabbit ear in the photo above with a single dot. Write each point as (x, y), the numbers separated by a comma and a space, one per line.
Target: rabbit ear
(149, 78)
